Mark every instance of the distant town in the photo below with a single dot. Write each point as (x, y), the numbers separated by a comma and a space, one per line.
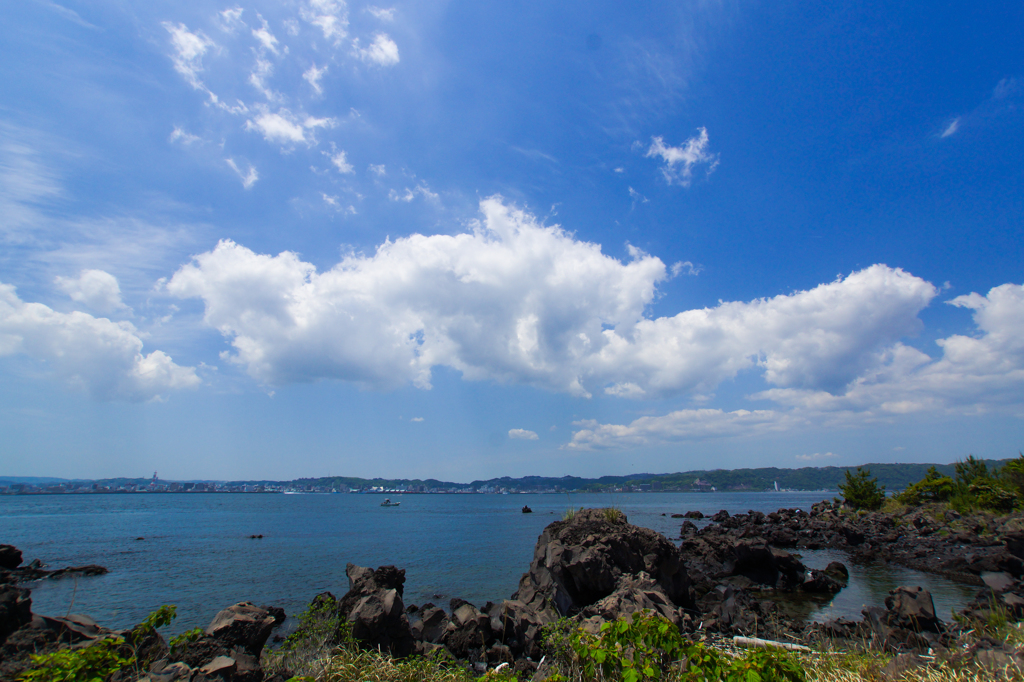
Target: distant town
(892, 476)
(156, 485)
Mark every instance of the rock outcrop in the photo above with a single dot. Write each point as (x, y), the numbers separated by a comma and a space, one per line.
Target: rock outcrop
(374, 607)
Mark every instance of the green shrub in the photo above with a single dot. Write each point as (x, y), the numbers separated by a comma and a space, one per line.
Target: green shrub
(934, 487)
(861, 491)
(89, 664)
(98, 661)
(652, 648)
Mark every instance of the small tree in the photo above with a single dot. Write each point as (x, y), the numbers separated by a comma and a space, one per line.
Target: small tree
(934, 487)
(971, 470)
(861, 491)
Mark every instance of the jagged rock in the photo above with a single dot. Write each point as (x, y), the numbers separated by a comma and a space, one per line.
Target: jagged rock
(15, 609)
(693, 515)
(720, 516)
(374, 607)
(429, 625)
(913, 608)
(632, 595)
(580, 561)
(10, 557)
(243, 625)
(468, 631)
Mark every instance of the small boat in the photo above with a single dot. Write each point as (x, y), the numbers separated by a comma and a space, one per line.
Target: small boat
(389, 503)
(527, 510)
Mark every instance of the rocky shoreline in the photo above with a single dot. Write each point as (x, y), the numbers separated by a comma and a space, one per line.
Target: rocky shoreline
(730, 576)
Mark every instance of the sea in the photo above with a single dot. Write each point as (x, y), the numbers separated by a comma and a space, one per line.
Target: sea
(196, 550)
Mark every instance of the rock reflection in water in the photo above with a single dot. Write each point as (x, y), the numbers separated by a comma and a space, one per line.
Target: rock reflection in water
(870, 584)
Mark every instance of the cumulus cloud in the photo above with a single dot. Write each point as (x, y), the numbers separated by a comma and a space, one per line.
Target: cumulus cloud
(679, 162)
(330, 16)
(378, 169)
(286, 128)
(518, 301)
(382, 51)
(103, 358)
(97, 289)
(974, 375)
(681, 425)
(341, 163)
(522, 434)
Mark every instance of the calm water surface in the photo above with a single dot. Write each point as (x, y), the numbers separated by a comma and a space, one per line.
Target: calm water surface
(196, 551)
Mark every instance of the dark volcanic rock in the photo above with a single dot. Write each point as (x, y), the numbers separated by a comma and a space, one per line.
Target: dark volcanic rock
(374, 606)
(10, 557)
(581, 561)
(243, 625)
(15, 610)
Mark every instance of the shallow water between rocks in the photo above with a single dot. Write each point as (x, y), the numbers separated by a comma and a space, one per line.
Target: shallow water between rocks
(196, 551)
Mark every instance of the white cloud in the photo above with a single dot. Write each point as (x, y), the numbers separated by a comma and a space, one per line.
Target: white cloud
(185, 138)
(330, 200)
(97, 289)
(382, 14)
(975, 375)
(378, 169)
(382, 51)
(267, 40)
(686, 268)
(951, 128)
(637, 197)
(330, 16)
(341, 163)
(522, 434)
(189, 51)
(312, 75)
(284, 127)
(103, 358)
(230, 20)
(291, 26)
(679, 162)
(416, 419)
(681, 425)
(261, 71)
(817, 456)
(517, 301)
(409, 194)
(249, 177)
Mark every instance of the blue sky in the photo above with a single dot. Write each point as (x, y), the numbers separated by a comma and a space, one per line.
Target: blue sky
(465, 240)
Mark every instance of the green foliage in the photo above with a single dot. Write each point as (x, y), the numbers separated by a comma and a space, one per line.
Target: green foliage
(652, 648)
(158, 619)
(934, 487)
(179, 642)
(970, 470)
(990, 495)
(1012, 475)
(98, 661)
(611, 514)
(89, 664)
(861, 491)
(321, 630)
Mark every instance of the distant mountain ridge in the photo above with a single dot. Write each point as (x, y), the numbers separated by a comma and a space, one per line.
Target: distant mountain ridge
(892, 476)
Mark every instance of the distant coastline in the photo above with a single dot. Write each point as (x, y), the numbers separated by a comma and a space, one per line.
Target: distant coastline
(767, 479)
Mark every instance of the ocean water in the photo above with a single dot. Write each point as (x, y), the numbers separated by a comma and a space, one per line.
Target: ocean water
(195, 550)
